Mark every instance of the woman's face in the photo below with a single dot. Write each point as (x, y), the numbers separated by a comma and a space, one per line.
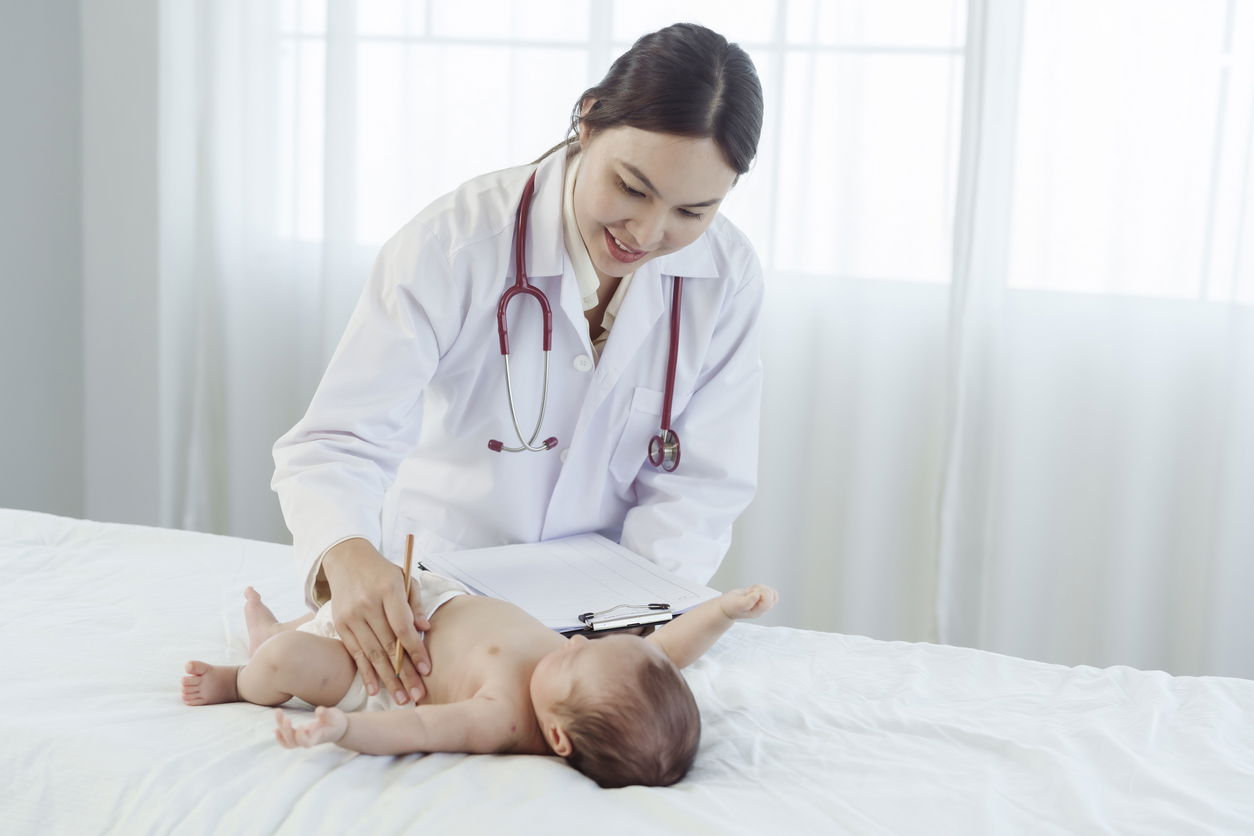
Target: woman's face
(641, 194)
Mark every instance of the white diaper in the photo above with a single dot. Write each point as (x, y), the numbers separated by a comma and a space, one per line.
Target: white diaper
(436, 591)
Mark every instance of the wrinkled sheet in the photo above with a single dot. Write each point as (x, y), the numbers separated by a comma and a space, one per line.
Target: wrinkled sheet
(804, 732)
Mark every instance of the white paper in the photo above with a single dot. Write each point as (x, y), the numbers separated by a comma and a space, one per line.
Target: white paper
(557, 580)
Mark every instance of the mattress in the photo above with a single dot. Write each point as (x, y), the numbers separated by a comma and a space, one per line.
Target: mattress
(803, 732)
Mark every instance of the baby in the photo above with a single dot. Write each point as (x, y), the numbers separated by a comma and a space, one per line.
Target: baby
(617, 709)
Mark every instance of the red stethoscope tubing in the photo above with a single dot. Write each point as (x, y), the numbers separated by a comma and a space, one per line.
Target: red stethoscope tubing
(521, 283)
(664, 447)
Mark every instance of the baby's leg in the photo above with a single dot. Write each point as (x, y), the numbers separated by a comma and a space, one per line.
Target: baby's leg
(261, 621)
(314, 668)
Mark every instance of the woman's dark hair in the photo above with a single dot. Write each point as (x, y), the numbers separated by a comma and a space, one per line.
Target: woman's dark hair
(685, 80)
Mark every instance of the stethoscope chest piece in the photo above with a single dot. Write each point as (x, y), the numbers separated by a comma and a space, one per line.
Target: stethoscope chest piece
(664, 450)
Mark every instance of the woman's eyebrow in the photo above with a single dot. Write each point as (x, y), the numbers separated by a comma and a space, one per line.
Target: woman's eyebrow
(648, 185)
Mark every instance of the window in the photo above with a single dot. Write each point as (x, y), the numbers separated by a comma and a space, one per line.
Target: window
(1134, 147)
(855, 172)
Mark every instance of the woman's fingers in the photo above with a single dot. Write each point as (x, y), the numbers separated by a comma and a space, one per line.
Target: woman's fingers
(361, 656)
(416, 649)
(372, 643)
(372, 608)
(383, 657)
(421, 622)
(415, 663)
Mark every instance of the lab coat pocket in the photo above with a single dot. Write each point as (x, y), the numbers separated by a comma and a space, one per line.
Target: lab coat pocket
(643, 422)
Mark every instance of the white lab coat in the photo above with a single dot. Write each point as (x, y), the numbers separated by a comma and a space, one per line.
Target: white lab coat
(395, 440)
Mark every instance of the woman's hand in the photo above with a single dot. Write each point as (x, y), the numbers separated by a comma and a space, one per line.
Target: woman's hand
(371, 610)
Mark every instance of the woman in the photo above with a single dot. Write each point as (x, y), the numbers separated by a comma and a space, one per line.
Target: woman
(396, 439)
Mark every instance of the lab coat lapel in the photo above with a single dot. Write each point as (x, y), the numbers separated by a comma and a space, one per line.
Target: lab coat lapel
(572, 308)
(640, 312)
(545, 250)
(648, 298)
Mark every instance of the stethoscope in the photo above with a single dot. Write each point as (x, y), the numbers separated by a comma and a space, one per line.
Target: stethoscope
(664, 446)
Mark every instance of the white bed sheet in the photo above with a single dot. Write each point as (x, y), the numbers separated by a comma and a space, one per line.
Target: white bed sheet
(804, 732)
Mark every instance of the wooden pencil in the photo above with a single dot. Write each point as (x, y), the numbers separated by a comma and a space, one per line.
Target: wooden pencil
(409, 562)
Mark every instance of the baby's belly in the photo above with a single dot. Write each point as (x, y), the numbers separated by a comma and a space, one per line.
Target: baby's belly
(474, 640)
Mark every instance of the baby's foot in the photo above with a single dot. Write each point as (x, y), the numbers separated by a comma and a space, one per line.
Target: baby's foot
(259, 619)
(209, 684)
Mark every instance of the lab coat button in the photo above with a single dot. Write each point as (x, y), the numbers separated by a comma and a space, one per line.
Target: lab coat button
(562, 455)
(583, 363)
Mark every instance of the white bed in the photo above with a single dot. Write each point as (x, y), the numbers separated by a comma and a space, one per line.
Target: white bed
(804, 732)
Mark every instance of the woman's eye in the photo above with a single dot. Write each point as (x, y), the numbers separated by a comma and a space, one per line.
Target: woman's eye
(635, 193)
(629, 190)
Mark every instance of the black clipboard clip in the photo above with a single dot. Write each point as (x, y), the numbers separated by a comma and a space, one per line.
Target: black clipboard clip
(642, 614)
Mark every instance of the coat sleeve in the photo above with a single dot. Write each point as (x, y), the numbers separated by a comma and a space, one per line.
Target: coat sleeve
(333, 468)
(683, 519)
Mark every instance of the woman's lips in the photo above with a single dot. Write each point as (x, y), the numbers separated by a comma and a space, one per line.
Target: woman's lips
(625, 256)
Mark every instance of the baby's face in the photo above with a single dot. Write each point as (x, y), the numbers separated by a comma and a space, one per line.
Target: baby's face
(601, 663)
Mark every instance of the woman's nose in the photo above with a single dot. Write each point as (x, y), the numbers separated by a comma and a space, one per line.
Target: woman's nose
(650, 229)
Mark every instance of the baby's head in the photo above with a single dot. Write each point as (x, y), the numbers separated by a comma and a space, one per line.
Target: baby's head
(618, 710)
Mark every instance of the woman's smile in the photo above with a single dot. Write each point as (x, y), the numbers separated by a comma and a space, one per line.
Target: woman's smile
(641, 194)
(621, 251)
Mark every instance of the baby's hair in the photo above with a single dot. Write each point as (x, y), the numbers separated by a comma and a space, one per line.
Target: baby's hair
(646, 732)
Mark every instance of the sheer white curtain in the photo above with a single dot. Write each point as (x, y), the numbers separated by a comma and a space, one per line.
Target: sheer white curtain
(1100, 476)
(1010, 371)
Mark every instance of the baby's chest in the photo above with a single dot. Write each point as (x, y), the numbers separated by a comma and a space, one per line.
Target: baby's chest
(464, 662)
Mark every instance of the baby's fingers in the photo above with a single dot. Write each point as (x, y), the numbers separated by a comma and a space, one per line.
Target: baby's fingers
(283, 730)
(765, 598)
(755, 600)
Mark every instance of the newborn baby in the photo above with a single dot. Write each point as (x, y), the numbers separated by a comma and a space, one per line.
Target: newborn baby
(617, 709)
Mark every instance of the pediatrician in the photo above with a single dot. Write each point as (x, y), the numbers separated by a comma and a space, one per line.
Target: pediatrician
(640, 422)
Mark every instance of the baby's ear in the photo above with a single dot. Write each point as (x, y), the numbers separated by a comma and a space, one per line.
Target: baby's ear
(558, 740)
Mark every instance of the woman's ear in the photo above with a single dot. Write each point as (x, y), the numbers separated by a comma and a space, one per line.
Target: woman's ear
(557, 739)
(583, 130)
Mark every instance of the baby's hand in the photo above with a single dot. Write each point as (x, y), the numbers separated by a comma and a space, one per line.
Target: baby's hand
(328, 726)
(750, 602)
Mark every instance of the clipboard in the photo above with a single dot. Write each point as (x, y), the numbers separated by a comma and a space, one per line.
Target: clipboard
(585, 583)
(624, 616)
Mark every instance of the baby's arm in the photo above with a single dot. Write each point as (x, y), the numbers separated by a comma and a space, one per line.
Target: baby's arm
(481, 724)
(691, 634)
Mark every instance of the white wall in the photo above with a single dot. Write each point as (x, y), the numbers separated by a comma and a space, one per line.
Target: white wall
(41, 285)
(121, 291)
